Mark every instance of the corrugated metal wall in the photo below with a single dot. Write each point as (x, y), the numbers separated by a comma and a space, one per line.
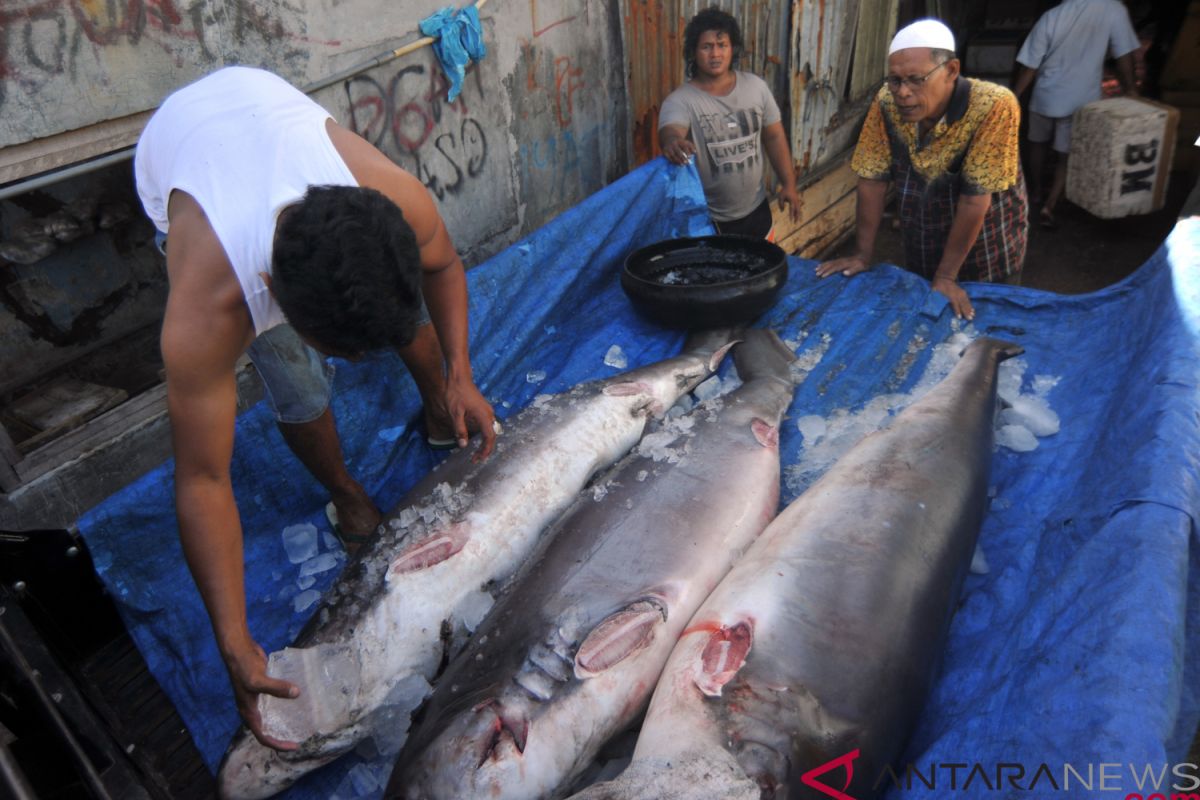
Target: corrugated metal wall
(822, 58)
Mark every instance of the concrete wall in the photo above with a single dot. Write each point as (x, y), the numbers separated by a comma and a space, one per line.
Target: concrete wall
(540, 124)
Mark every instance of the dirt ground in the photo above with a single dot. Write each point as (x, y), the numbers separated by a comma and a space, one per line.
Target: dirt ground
(1084, 253)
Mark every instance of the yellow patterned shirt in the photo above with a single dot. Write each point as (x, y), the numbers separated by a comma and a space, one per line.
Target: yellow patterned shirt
(976, 140)
(972, 150)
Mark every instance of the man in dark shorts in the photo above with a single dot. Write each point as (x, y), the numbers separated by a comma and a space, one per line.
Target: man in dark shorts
(728, 120)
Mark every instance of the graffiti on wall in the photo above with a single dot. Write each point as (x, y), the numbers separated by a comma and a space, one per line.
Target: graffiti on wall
(406, 115)
(564, 166)
(565, 146)
(459, 150)
(50, 46)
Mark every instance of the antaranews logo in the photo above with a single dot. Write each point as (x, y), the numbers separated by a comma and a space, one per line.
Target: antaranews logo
(1120, 781)
(810, 778)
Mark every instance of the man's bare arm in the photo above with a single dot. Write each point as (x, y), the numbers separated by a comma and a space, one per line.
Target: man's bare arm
(775, 142)
(1024, 80)
(969, 215)
(444, 286)
(870, 195)
(674, 143)
(202, 338)
(1126, 75)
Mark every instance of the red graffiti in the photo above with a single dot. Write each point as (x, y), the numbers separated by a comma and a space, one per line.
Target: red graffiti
(407, 118)
(568, 79)
(566, 83)
(410, 107)
(534, 20)
(103, 23)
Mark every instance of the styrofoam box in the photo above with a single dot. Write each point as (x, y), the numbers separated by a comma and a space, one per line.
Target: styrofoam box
(1121, 151)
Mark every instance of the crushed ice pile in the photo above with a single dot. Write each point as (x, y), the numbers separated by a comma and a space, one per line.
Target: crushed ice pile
(1024, 416)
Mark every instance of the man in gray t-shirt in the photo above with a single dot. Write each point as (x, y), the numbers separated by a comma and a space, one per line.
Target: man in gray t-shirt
(729, 121)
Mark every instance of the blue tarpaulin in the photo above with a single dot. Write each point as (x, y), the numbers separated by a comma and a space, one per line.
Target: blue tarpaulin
(1077, 648)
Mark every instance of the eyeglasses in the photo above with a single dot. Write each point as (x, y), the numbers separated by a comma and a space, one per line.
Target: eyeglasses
(916, 84)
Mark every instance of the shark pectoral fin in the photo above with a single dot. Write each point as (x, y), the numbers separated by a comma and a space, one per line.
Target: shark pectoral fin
(619, 636)
(651, 406)
(431, 550)
(766, 433)
(719, 355)
(723, 655)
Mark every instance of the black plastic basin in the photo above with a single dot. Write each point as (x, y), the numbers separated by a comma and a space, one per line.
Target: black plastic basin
(705, 281)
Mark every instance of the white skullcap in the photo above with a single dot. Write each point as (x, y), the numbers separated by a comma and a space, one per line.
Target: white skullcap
(931, 33)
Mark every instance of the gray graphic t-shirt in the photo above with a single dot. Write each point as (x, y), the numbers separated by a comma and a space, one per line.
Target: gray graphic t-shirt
(727, 132)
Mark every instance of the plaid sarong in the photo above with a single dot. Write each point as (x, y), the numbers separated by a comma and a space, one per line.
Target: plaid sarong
(927, 212)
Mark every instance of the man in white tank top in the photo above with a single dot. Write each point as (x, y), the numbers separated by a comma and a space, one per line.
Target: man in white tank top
(275, 214)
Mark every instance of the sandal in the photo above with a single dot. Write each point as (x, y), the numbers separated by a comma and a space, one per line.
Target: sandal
(350, 541)
(1046, 219)
(439, 442)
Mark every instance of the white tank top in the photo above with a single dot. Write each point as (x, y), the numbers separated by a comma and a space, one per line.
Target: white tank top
(245, 144)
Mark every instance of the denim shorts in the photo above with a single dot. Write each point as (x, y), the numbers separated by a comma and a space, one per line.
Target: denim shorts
(298, 380)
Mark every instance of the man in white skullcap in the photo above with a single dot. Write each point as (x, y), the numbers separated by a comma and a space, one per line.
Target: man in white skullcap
(949, 145)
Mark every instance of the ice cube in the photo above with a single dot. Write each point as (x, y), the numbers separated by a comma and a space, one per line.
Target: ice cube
(329, 677)
(615, 357)
(474, 608)
(304, 600)
(318, 564)
(300, 542)
(392, 434)
(979, 564)
(389, 722)
(1035, 414)
(708, 389)
(812, 427)
(1016, 437)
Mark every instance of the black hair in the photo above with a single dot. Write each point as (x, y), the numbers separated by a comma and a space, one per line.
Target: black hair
(346, 270)
(710, 19)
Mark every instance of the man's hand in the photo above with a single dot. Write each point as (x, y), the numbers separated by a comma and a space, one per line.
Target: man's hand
(958, 298)
(247, 665)
(850, 265)
(789, 196)
(469, 412)
(679, 150)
